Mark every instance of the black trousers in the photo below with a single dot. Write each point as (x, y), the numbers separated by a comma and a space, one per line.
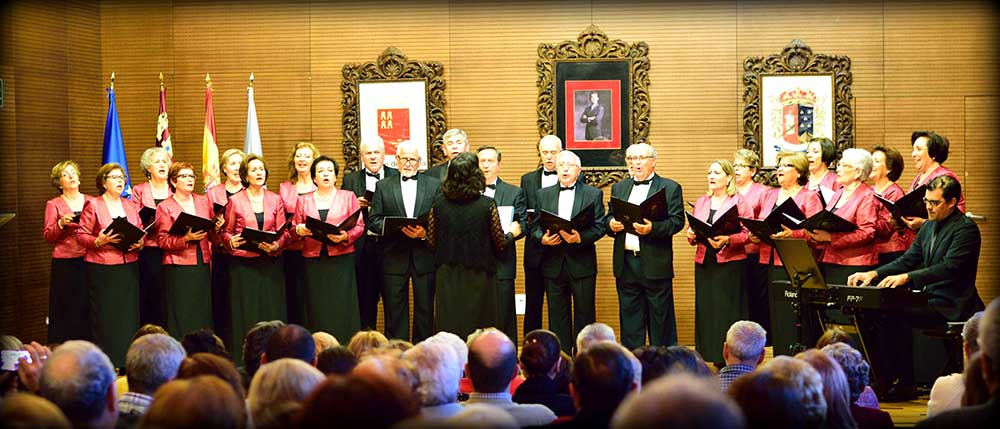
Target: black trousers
(756, 292)
(506, 318)
(645, 307)
(397, 309)
(369, 275)
(534, 297)
(571, 306)
(151, 294)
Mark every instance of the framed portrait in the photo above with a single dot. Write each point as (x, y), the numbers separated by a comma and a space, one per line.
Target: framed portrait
(593, 94)
(393, 100)
(793, 97)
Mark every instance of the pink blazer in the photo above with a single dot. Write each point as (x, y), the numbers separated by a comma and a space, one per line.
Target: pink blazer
(887, 238)
(217, 194)
(829, 180)
(856, 248)
(754, 196)
(66, 245)
(344, 204)
(290, 199)
(734, 250)
(176, 251)
(94, 218)
(142, 196)
(808, 202)
(940, 171)
(239, 215)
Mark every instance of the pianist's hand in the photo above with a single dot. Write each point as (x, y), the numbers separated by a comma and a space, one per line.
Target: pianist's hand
(896, 280)
(861, 279)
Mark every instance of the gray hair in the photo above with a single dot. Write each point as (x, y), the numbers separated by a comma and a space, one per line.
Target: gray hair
(855, 368)
(593, 333)
(375, 142)
(408, 146)
(646, 148)
(678, 400)
(480, 416)
(455, 132)
(860, 159)
(437, 370)
(800, 377)
(146, 160)
(989, 334)
(745, 340)
(278, 386)
(151, 361)
(460, 347)
(568, 156)
(550, 139)
(970, 332)
(76, 378)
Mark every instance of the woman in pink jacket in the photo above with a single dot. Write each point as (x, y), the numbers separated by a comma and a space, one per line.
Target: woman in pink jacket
(299, 183)
(69, 307)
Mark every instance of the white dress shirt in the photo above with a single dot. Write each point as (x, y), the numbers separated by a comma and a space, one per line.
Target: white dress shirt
(490, 192)
(409, 190)
(370, 181)
(638, 195)
(549, 180)
(566, 202)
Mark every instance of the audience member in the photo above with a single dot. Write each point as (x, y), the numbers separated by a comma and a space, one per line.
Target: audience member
(975, 390)
(481, 416)
(363, 341)
(540, 359)
(856, 370)
(658, 361)
(602, 377)
(151, 361)
(457, 344)
(465, 383)
(9, 379)
(277, 391)
(290, 341)
(680, 401)
(742, 351)
(79, 379)
(147, 329)
(492, 366)
(253, 346)
(28, 411)
(946, 393)
(867, 399)
(324, 341)
(636, 367)
(835, 390)
(397, 344)
(782, 393)
(592, 334)
(209, 364)
(338, 360)
(436, 367)
(204, 341)
(357, 401)
(388, 363)
(200, 402)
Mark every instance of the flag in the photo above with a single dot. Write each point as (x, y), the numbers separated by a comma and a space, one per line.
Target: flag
(163, 125)
(209, 149)
(251, 144)
(114, 148)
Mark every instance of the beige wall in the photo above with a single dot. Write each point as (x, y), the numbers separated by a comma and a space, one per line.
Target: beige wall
(915, 65)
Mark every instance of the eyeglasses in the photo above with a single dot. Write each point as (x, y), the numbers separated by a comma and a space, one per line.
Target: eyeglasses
(932, 203)
(638, 157)
(408, 160)
(785, 165)
(735, 166)
(186, 176)
(114, 177)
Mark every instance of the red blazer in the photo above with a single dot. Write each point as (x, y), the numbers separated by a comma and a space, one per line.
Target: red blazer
(239, 214)
(856, 248)
(887, 238)
(94, 218)
(67, 247)
(808, 202)
(344, 204)
(829, 180)
(142, 196)
(217, 195)
(290, 199)
(734, 250)
(176, 251)
(940, 171)
(754, 196)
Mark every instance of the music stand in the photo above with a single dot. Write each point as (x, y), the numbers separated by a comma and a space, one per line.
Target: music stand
(803, 273)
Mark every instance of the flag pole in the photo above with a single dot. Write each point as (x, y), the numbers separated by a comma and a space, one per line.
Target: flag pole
(251, 79)
(161, 80)
(112, 80)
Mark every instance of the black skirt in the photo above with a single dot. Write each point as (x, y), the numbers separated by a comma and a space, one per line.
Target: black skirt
(69, 305)
(720, 300)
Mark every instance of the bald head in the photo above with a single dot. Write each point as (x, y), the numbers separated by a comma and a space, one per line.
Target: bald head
(492, 361)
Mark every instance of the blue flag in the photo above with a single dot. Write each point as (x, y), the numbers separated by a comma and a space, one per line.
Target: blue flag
(114, 148)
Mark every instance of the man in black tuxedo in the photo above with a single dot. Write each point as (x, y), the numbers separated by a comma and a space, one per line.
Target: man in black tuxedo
(569, 259)
(531, 182)
(362, 182)
(942, 262)
(404, 254)
(507, 197)
(643, 262)
(455, 141)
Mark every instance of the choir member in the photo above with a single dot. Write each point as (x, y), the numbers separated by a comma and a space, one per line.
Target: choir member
(455, 141)
(219, 194)
(187, 277)
(531, 182)
(745, 165)
(256, 279)
(299, 183)
(930, 150)
(466, 236)
(891, 238)
(720, 298)
(821, 153)
(155, 164)
(331, 293)
(112, 275)
(69, 308)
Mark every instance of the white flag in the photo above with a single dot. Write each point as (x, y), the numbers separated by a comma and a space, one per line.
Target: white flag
(251, 144)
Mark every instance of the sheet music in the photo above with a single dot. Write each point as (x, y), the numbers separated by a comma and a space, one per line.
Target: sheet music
(506, 217)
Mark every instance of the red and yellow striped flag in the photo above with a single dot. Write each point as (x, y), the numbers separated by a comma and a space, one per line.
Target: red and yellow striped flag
(209, 148)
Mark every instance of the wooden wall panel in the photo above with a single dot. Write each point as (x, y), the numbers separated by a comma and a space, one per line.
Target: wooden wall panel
(982, 127)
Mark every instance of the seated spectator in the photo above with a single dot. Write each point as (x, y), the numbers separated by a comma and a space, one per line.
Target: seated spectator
(9, 379)
(602, 377)
(290, 341)
(363, 341)
(975, 391)
(540, 358)
(481, 416)
(338, 360)
(946, 393)
(388, 363)
(199, 402)
(867, 399)
(204, 341)
(658, 361)
(679, 401)
(79, 379)
(856, 370)
(492, 367)
(324, 341)
(436, 367)
(277, 391)
(121, 383)
(28, 411)
(397, 344)
(592, 334)
(465, 384)
(743, 350)
(253, 346)
(209, 364)
(457, 344)
(782, 393)
(358, 402)
(835, 390)
(151, 361)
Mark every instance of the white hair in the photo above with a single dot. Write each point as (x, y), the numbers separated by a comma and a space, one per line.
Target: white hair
(324, 341)
(455, 132)
(646, 148)
(568, 157)
(408, 146)
(437, 370)
(151, 361)
(460, 347)
(549, 139)
(278, 386)
(678, 400)
(593, 333)
(76, 378)
(745, 340)
(374, 142)
(146, 160)
(860, 159)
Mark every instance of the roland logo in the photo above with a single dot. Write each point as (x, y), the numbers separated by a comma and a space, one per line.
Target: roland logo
(855, 299)
(791, 294)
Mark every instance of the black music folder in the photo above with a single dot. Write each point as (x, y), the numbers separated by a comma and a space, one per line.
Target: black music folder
(551, 222)
(760, 229)
(910, 205)
(218, 208)
(787, 213)
(395, 224)
(321, 229)
(76, 218)
(368, 196)
(186, 220)
(827, 221)
(653, 208)
(724, 224)
(147, 214)
(128, 234)
(253, 237)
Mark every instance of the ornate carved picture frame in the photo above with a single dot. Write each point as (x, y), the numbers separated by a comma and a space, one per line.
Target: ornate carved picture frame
(593, 93)
(389, 98)
(792, 97)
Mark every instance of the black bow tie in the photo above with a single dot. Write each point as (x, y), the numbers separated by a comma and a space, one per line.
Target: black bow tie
(548, 173)
(413, 178)
(567, 188)
(643, 182)
(375, 175)
(492, 186)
